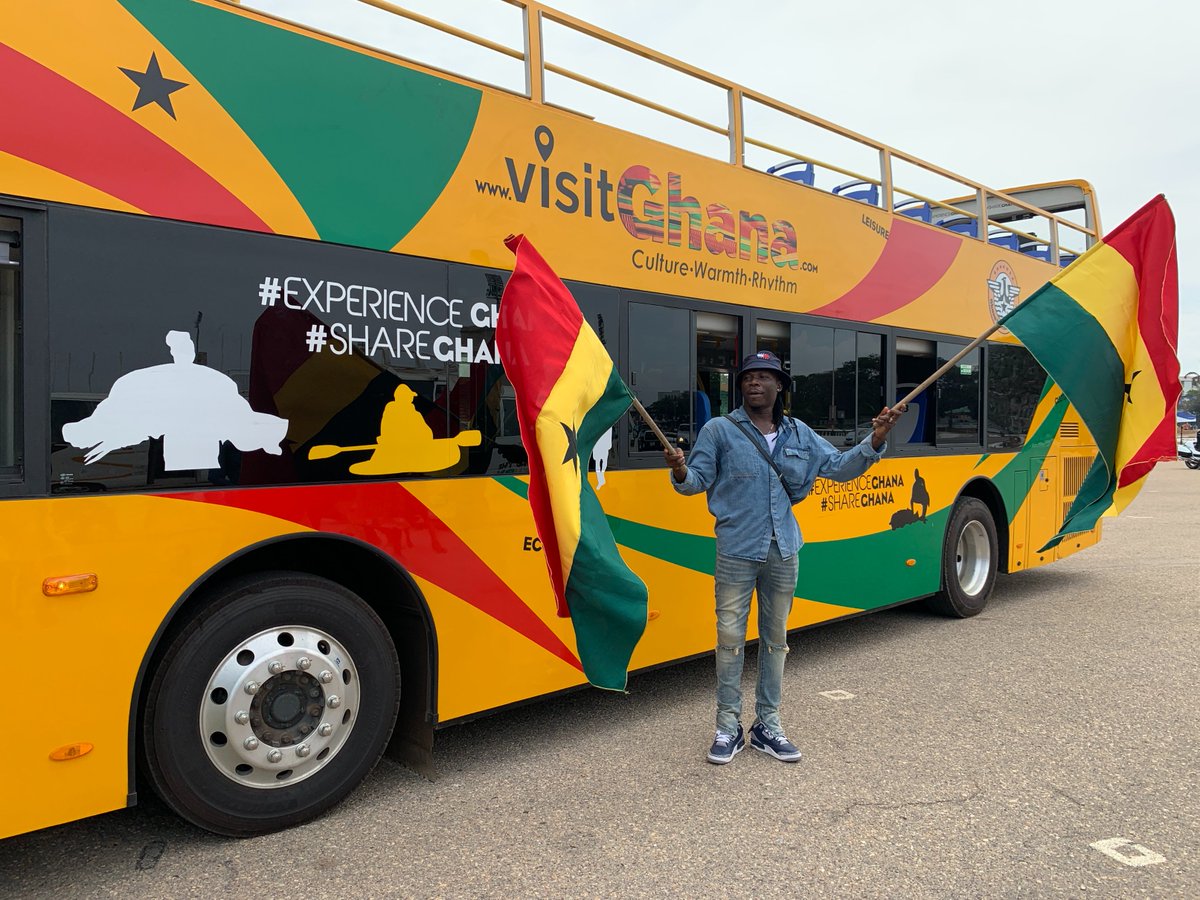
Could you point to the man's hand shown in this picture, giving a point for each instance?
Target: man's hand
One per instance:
(674, 460)
(883, 423)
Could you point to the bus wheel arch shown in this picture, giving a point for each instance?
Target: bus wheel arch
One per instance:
(974, 550)
(386, 590)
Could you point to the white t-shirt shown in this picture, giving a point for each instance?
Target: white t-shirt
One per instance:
(771, 440)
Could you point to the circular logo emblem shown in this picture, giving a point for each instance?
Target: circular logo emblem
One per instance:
(1002, 291)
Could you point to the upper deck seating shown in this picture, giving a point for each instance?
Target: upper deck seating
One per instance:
(863, 191)
(794, 170)
(959, 225)
(915, 209)
(1002, 238)
(1041, 251)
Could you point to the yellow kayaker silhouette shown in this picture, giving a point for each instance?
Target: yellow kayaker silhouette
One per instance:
(405, 443)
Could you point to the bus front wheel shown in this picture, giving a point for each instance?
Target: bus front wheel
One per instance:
(270, 704)
(970, 558)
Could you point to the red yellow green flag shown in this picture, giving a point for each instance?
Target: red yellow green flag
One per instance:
(1105, 330)
(568, 395)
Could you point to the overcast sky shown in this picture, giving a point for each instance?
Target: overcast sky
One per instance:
(1004, 93)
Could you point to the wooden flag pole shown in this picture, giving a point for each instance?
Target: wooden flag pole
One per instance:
(949, 364)
(637, 404)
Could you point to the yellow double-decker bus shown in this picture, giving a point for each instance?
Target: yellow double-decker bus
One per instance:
(262, 491)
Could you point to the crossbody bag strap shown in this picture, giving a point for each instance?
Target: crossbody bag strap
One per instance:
(757, 446)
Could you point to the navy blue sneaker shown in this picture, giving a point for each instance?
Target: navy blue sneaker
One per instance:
(773, 743)
(725, 747)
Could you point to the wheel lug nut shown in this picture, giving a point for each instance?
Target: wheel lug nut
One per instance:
(325, 730)
(241, 717)
(275, 667)
(326, 677)
(334, 701)
(274, 756)
(304, 664)
(251, 688)
(250, 743)
(303, 750)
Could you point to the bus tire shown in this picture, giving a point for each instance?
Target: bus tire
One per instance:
(270, 704)
(970, 559)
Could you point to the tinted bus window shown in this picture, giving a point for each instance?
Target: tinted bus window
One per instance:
(8, 362)
(660, 374)
(958, 396)
(1014, 386)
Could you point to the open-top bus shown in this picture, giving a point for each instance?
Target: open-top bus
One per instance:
(261, 486)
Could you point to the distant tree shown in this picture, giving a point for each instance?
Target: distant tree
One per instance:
(1190, 401)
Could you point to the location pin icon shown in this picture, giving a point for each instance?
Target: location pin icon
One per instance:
(544, 138)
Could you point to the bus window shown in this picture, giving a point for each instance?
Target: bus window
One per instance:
(9, 259)
(776, 337)
(870, 381)
(958, 397)
(660, 374)
(837, 380)
(718, 350)
(915, 361)
(1014, 386)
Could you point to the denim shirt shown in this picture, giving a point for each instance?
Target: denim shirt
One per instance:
(745, 495)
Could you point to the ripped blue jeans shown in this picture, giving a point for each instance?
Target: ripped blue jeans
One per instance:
(736, 580)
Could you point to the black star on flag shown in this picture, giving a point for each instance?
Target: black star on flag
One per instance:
(572, 455)
(153, 87)
(1129, 386)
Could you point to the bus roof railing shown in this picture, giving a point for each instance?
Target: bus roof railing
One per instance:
(533, 57)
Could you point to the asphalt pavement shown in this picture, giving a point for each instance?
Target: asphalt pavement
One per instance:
(1046, 748)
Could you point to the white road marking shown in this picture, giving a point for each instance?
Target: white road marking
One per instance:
(1139, 855)
(837, 695)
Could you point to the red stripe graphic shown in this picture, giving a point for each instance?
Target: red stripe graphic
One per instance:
(388, 516)
(55, 123)
(914, 258)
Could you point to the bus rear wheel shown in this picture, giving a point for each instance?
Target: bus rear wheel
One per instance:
(970, 558)
(270, 704)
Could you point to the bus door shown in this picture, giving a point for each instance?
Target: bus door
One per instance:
(22, 326)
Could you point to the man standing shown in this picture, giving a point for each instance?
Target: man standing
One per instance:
(754, 464)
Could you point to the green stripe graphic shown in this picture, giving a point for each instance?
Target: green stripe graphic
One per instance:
(365, 145)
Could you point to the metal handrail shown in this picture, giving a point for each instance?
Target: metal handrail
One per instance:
(535, 13)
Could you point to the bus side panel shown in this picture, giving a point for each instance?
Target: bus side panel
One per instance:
(81, 652)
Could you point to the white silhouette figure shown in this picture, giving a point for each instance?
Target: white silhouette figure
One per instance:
(192, 407)
(600, 456)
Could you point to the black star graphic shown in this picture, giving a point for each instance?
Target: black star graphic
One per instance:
(1129, 386)
(153, 87)
(572, 455)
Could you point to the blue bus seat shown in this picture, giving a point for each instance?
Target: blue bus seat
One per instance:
(794, 170)
(915, 209)
(1006, 239)
(1037, 251)
(863, 191)
(960, 225)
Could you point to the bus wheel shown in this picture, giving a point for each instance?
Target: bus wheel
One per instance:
(270, 704)
(970, 558)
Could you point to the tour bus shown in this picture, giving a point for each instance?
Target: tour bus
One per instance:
(262, 493)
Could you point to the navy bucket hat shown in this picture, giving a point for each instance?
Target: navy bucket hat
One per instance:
(763, 359)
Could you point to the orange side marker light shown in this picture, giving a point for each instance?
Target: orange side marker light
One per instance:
(70, 584)
(68, 752)
(910, 562)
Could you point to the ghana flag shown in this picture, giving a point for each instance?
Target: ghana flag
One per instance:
(1105, 330)
(568, 395)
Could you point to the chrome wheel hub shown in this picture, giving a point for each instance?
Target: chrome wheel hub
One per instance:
(279, 706)
(973, 558)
